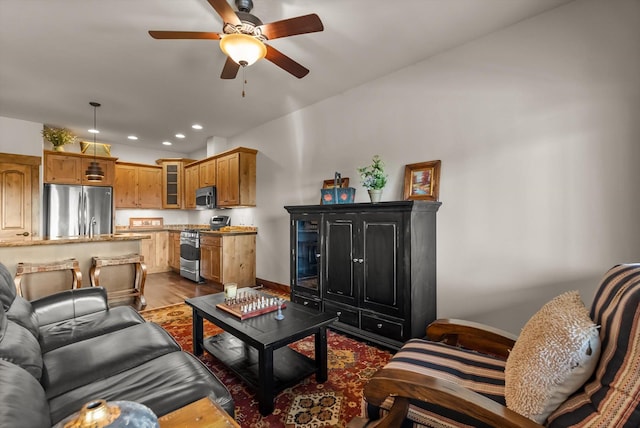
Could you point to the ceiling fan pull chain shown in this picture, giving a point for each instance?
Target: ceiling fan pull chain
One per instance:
(244, 81)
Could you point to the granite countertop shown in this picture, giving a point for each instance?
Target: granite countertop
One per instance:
(39, 240)
(203, 228)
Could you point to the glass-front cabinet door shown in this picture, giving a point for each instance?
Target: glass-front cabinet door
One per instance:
(305, 257)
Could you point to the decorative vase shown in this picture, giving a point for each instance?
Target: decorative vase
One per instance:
(58, 148)
(112, 414)
(375, 195)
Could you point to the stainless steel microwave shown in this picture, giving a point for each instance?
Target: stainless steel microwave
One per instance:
(206, 198)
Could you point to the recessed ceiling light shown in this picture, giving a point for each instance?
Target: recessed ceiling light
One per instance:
(93, 131)
(132, 137)
(166, 143)
(179, 135)
(196, 126)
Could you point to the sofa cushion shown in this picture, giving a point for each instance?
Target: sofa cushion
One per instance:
(481, 373)
(555, 354)
(18, 346)
(23, 403)
(7, 287)
(70, 304)
(67, 331)
(611, 398)
(22, 313)
(89, 360)
(163, 384)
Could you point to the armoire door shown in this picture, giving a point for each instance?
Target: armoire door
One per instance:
(340, 261)
(381, 248)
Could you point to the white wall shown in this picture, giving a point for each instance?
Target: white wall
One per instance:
(537, 129)
(20, 137)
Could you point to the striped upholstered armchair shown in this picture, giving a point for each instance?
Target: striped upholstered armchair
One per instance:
(464, 376)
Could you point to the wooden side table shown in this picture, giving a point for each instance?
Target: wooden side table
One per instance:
(203, 413)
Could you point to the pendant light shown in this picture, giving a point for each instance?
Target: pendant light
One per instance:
(94, 173)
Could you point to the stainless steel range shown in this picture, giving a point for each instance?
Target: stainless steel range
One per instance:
(190, 255)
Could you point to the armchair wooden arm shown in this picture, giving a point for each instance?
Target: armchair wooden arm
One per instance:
(472, 335)
(404, 385)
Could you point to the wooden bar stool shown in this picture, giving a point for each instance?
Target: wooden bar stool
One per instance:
(140, 276)
(37, 291)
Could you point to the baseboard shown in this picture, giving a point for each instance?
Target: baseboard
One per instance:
(283, 288)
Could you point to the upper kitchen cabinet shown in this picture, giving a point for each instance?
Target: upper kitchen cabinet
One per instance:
(207, 170)
(236, 178)
(191, 183)
(198, 174)
(173, 182)
(138, 186)
(69, 168)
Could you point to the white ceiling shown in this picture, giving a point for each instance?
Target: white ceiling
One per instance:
(57, 56)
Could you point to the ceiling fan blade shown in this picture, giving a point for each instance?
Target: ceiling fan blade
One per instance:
(184, 35)
(225, 11)
(285, 63)
(292, 26)
(230, 70)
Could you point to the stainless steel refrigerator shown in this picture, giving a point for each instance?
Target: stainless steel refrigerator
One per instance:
(71, 210)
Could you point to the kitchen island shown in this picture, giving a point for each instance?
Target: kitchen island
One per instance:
(42, 249)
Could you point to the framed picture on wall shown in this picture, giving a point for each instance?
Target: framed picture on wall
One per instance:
(422, 181)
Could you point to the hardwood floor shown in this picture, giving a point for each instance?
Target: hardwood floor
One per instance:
(168, 288)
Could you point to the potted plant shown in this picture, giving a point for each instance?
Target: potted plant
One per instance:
(58, 137)
(373, 178)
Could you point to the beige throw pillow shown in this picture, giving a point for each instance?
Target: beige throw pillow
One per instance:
(555, 354)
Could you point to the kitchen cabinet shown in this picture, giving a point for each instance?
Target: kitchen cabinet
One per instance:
(207, 170)
(375, 266)
(174, 250)
(211, 258)
(173, 181)
(191, 183)
(155, 251)
(69, 168)
(138, 186)
(228, 258)
(236, 178)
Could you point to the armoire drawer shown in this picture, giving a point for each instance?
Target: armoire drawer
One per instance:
(383, 327)
(345, 315)
(305, 301)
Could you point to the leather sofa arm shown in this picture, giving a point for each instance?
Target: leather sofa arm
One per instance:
(472, 335)
(404, 385)
(70, 304)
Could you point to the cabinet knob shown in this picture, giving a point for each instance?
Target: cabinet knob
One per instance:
(306, 302)
(355, 260)
(379, 325)
(339, 313)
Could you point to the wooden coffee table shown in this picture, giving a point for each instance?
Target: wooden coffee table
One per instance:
(255, 348)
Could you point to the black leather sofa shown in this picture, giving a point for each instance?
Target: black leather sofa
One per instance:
(62, 351)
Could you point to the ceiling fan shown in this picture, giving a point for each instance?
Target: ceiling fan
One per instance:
(243, 37)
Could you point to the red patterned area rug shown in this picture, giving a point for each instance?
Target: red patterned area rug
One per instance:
(308, 404)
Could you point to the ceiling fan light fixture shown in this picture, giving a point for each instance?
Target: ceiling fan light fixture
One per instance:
(243, 49)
